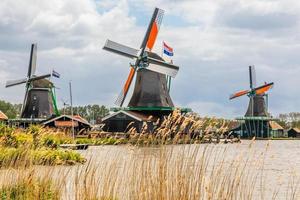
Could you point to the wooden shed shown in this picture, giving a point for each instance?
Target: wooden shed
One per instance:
(122, 121)
(276, 130)
(66, 122)
(294, 132)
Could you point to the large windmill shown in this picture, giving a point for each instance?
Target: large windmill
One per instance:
(150, 91)
(257, 117)
(150, 95)
(39, 101)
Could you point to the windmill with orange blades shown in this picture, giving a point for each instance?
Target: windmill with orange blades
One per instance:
(150, 94)
(257, 105)
(256, 120)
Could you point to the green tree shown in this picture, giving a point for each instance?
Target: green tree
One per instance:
(89, 112)
(11, 110)
(288, 120)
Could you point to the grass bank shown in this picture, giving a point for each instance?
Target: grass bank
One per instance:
(34, 146)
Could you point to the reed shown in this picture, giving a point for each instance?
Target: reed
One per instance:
(24, 185)
(180, 129)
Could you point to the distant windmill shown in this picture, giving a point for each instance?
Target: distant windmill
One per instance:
(151, 90)
(39, 101)
(256, 121)
(257, 104)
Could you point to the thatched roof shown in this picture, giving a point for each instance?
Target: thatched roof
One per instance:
(135, 115)
(76, 118)
(3, 116)
(275, 126)
(295, 129)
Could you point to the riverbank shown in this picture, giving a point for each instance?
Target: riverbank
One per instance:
(34, 146)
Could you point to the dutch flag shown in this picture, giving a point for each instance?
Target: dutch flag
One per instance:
(167, 49)
(55, 74)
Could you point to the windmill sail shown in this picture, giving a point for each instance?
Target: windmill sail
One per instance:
(264, 88)
(32, 61)
(252, 77)
(239, 94)
(153, 28)
(120, 49)
(15, 82)
(123, 93)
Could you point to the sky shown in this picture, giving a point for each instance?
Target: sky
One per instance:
(214, 42)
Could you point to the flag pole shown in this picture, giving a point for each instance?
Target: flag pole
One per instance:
(162, 49)
(167, 77)
(71, 101)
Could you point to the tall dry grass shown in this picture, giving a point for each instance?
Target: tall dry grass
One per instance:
(179, 128)
(26, 186)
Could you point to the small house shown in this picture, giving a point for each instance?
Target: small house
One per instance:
(122, 121)
(276, 130)
(294, 132)
(66, 122)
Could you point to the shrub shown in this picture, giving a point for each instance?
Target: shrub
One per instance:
(56, 157)
(20, 157)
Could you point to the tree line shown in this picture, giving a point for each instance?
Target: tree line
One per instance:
(11, 110)
(92, 113)
(289, 120)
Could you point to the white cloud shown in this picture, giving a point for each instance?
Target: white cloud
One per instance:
(214, 43)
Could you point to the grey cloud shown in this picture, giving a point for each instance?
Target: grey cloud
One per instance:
(213, 59)
(254, 21)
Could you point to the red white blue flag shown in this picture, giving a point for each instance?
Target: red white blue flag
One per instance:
(167, 49)
(55, 74)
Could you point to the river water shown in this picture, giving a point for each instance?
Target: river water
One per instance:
(123, 170)
(276, 162)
